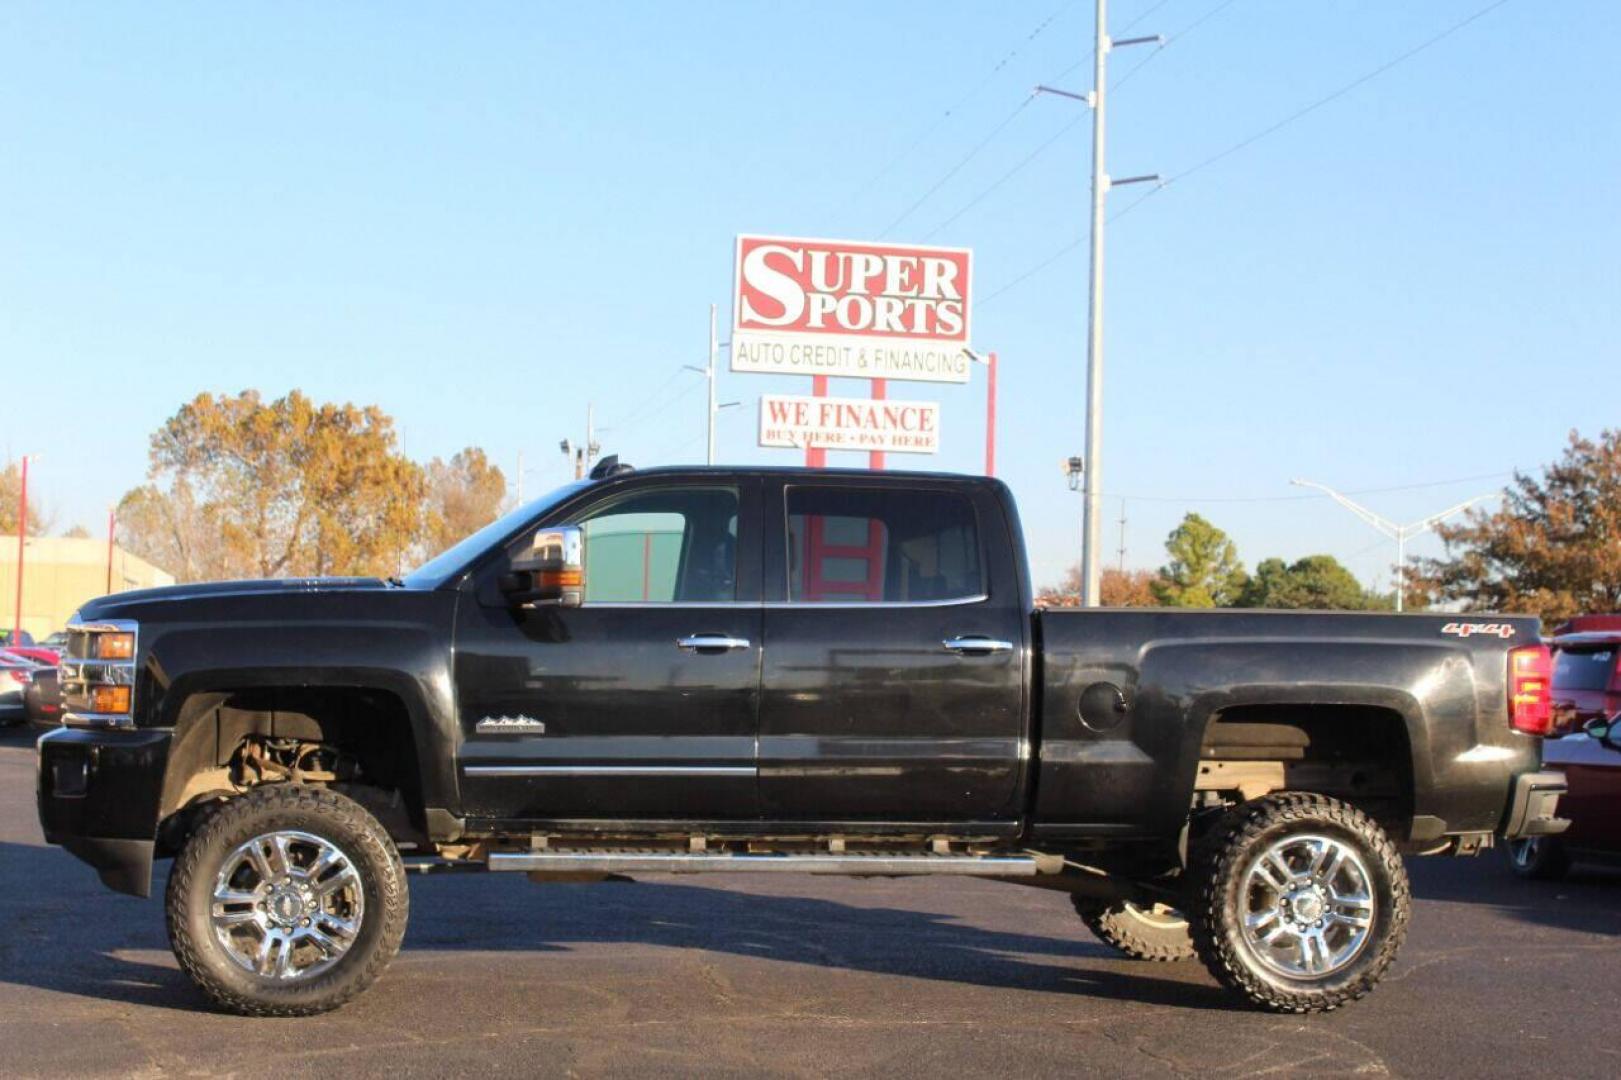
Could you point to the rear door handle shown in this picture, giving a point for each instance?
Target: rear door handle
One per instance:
(976, 645)
(708, 642)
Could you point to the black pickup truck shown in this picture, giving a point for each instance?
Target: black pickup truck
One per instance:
(758, 670)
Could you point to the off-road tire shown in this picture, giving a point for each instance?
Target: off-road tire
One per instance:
(1218, 870)
(1538, 858)
(266, 809)
(1134, 931)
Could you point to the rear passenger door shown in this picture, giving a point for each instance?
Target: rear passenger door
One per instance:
(895, 654)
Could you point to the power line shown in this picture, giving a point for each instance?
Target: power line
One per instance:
(1061, 132)
(1303, 498)
(996, 69)
(1251, 140)
(955, 169)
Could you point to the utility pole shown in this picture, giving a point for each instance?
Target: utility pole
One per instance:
(1092, 480)
(1399, 533)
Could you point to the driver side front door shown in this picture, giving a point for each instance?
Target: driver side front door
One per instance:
(642, 703)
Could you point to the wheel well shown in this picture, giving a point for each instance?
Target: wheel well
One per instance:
(1358, 754)
(358, 740)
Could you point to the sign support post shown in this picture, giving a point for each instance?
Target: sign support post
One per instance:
(875, 458)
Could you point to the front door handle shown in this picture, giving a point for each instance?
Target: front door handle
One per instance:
(975, 645)
(711, 642)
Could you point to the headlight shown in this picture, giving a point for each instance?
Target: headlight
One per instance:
(115, 646)
(97, 674)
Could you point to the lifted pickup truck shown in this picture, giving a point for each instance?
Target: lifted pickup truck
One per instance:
(757, 670)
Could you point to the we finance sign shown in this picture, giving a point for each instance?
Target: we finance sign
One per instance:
(827, 423)
(851, 310)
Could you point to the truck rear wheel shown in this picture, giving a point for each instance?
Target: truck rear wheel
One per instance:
(1155, 932)
(1300, 902)
(287, 901)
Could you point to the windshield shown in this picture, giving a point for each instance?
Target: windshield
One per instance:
(445, 565)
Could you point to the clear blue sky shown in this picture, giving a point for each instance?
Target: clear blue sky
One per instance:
(433, 207)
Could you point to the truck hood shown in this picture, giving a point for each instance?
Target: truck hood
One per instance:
(107, 607)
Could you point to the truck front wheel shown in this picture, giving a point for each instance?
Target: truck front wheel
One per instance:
(287, 901)
(1300, 902)
(1154, 932)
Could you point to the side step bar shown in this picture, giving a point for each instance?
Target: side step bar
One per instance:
(699, 862)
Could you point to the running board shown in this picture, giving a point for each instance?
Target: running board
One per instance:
(701, 862)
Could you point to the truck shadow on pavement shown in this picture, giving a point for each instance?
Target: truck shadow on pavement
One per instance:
(69, 935)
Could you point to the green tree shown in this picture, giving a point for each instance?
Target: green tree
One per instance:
(1316, 581)
(1203, 571)
(1551, 548)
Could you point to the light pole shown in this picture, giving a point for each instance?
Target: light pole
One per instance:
(1092, 505)
(711, 409)
(1399, 533)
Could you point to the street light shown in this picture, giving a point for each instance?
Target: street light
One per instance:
(1399, 533)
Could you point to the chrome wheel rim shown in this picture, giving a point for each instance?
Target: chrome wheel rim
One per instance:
(287, 905)
(1307, 906)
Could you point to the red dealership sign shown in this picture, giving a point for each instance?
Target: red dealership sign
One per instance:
(843, 308)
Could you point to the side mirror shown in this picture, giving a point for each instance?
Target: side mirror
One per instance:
(1607, 730)
(552, 574)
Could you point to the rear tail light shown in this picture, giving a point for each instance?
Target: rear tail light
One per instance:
(1530, 693)
(20, 675)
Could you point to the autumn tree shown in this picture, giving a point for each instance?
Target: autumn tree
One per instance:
(1116, 588)
(241, 487)
(1315, 581)
(464, 494)
(1551, 548)
(1203, 570)
(40, 518)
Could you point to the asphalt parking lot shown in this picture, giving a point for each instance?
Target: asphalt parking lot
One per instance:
(796, 976)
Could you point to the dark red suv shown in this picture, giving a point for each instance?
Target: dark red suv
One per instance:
(1586, 691)
(1587, 671)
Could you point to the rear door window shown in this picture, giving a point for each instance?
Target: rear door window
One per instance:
(881, 545)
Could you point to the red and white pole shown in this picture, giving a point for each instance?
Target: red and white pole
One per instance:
(990, 418)
(22, 540)
(112, 525)
(816, 456)
(875, 458)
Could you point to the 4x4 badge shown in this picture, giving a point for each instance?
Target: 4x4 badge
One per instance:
(510, 725)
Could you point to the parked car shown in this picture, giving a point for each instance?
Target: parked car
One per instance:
(758, 670)
(1591, 762)
(26, 646)
(56, 641)
(43, 698)
(1586, 674)
(16, 673)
